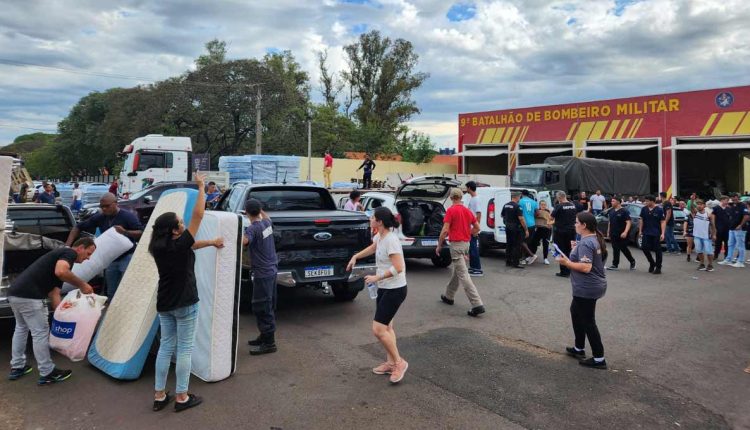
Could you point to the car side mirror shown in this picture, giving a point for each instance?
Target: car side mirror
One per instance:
(148, 199)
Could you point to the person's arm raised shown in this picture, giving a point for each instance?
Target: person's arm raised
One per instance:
(200, 205)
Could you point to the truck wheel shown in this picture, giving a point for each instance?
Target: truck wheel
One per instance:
(442, 261)
(347, 291)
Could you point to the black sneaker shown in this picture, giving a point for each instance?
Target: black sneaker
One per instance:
(446, 300)
(651, 268)
(575, 353)
(657, 271)
(562, 275)
(612, 267)
(701, 267)
(19, 372)
(710, 268)
(518, 267)
(192, 401)
(56, 375)
(476, 311)
(590, 362)
(265, 348)
(632, 266)
(688, 258)
(255, 342)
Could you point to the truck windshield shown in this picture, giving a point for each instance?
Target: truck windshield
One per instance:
(527, 176)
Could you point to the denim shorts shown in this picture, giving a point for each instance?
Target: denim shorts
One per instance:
(703, 246)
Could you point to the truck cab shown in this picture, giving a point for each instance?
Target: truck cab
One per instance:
(540, 177)
(153, 159)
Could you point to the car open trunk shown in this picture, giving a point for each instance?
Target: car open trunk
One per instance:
(421, 217)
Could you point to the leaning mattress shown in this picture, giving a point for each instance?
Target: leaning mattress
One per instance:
(129, 326)
(217, 273)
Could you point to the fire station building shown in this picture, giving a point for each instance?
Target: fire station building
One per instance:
(696, 141)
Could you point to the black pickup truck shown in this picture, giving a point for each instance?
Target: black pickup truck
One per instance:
(314, 239)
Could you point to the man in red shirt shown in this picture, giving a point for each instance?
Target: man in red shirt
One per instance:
(327, 167)
(458, 226)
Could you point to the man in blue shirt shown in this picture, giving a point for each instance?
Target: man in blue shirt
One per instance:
(125, 223)
(48, 196)
(212, 195)
(651, 231)
(529, 207)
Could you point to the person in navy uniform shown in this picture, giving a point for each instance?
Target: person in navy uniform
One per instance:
(515, 230)
(564, 235)
(651, 231)
(618, 232)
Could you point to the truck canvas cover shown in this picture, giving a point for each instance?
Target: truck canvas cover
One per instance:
(609, 176)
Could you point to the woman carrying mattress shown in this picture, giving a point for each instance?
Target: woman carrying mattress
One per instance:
(172, 247)
(391, 284)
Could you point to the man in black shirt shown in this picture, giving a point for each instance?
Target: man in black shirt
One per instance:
(618, 232)
(564, 215)
(515, 230)
(721, 215)
(125, 223)
(651, 231)
(43, 280)
(369, 166)
(667, 207)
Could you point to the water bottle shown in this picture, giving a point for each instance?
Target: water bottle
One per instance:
(373, 290)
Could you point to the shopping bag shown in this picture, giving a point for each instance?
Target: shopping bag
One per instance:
(74, 323)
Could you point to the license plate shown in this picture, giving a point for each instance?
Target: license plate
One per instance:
(318, 272)
(429, 242)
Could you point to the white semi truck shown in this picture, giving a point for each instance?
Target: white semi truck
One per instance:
(153, 159)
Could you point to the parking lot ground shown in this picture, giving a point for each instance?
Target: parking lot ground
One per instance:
(676, 345)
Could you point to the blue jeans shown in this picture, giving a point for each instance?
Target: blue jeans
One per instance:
(736, 241)
(474, 262)
(113, 274)
(671, 242)
(177, 337)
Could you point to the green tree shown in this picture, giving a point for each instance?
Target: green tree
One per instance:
(417, 148)
(216, 54)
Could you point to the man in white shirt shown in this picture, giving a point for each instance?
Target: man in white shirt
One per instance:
(475, 265)
(77, 198)
(598, 203)
(704, 231)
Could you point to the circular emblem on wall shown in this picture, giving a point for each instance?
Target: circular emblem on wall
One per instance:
(724, 100)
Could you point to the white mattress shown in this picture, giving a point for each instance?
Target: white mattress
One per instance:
(6, 166)
(129, 326)
(109, 246)
(217, 273)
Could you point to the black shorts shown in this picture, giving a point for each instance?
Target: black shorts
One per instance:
(388, 302)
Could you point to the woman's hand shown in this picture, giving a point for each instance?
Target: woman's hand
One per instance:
(218, 242)
(562, 259)
(371, 279)
(351, 264)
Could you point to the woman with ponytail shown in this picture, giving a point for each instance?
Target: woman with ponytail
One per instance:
(391, 281)
(172, 247)
(586, 263)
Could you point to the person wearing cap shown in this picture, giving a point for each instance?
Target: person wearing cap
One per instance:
(459, 225)
(475, 264)
(264, 266)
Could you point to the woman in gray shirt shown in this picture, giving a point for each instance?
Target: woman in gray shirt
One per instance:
(586, 264)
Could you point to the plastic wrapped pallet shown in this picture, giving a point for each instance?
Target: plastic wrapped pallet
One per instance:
(261, 169)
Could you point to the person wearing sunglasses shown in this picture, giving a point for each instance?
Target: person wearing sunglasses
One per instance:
(125, 223)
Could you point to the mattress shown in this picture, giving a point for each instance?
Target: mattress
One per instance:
(129, 326)
(6, 165)
(109, 246)
(217, 272)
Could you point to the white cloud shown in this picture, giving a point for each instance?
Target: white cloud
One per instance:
(512, 53)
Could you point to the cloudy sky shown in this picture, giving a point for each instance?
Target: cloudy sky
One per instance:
(481, 55)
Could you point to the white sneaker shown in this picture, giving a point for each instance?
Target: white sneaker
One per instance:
(739, 264)
(546, 261)
(724, 262)
(532, 259)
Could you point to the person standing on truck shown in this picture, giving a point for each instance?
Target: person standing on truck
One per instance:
(720, 214)
(618, 231)
(564, 216)
(125, 223)
(668, 208)
(327, 168)
(172, 246)
(651, 231)
(459, 225)
(391, 282)
(516, 230)
(529, 207)
(475, 263)
(264, 266)
(589, 283)
(43, 280)
(368, 165)
(598, 203)
(77, 199)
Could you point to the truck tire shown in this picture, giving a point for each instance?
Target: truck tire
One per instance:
(442, 261)
(347, 291)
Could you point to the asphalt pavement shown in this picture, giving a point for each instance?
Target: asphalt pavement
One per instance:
(676, 345)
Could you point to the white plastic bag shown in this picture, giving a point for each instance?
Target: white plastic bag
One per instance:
(74, 324)
(109, 246)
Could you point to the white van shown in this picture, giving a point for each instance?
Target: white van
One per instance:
(491, 202)
(155, 158)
